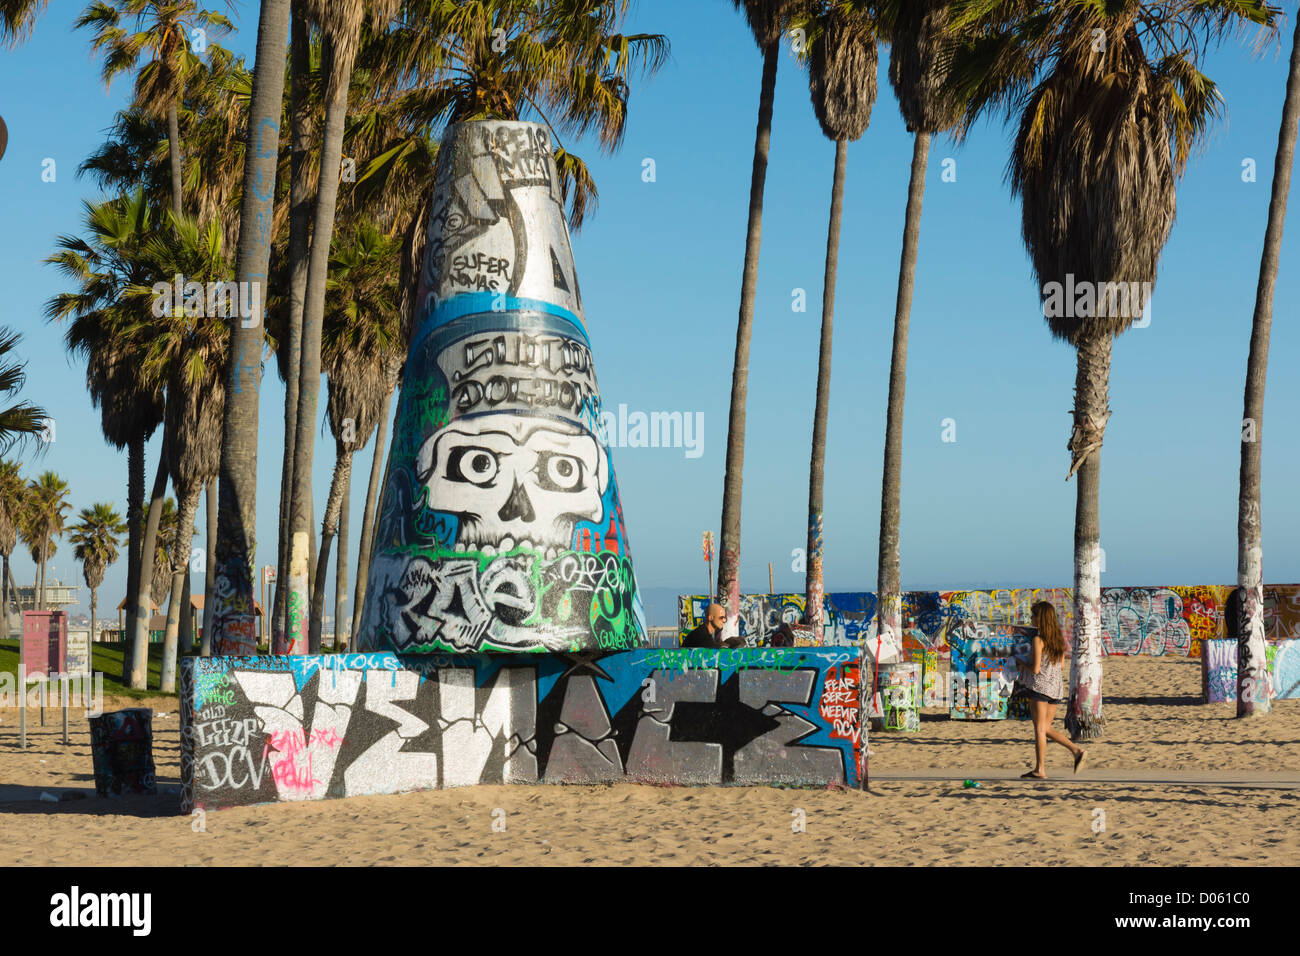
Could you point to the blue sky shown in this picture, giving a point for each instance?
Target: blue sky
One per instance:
(660, 266)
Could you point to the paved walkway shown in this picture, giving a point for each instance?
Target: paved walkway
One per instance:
(1102, 777)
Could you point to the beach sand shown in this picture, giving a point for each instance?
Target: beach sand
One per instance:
(1156, 729)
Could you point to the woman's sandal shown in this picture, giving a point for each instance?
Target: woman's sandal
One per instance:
(1033, 776)
(1078, 759)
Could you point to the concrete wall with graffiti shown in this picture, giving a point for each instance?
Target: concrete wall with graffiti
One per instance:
(258, 729)
(983, 671)
(500, 526)
(1135, 620)
(1219, 674)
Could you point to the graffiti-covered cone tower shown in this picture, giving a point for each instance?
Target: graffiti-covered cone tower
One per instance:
(500, 527)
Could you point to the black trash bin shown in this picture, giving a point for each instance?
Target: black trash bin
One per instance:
(121, 743)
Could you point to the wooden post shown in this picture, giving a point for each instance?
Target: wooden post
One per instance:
(63, 680)
(22, 687)
(771, 588)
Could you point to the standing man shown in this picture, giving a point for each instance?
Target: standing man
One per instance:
(709, 634)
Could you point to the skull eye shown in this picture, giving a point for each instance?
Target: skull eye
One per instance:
(556, 472)
(472, 464)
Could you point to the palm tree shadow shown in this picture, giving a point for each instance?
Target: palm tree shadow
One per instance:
(1159, 701)
(162, 804)
(1093, 793)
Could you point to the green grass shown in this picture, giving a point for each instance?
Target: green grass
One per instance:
(106, 658)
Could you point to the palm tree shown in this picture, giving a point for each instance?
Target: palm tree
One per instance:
(1252, 663)
(361, 333)
(232, 624)
(13, 499)
(21, 420)
(162, 31)
(104, 267)
(917, 31)
(842, 81)
(215, 104)
(135, 155)
(304, 65)
(159, 584)
(564, 60)
(767, 19)
(188, 351)
(42, 522)
(395, 184)
(17, 17)
(392, 375)
(95, 538)
(160, 581)
(340, 21)
(1110, 103)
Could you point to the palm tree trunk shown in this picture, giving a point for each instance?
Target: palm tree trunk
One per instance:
(813, 583)
(300, 524)
(174, 150)
(1252, 662)
(134, 509)
(234, 621)
(143, 597)
(1084, 720)
(732, 483)
(94, 612)
(44, 551)
(185, 641)
(189, 505)
(4, 594)
(889, 613)
(341, 570)
(300, 209)
(368, 519)
(329, 527)
(209, 562)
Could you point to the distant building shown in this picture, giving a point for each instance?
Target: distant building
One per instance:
(57, 596)
(23, 598)
(158, 620)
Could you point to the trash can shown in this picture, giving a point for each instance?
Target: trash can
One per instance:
(121, 743)
(898, 687)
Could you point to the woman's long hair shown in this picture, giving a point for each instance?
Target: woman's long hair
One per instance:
(1049, 629)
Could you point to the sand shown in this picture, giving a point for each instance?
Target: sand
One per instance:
(1230, 796)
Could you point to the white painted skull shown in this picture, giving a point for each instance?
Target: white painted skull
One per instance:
(514, 481)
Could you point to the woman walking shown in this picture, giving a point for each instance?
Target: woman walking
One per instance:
(1042, 684)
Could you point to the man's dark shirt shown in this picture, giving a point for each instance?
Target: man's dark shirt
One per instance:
(700, 637)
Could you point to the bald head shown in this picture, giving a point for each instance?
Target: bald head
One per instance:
(716, 617)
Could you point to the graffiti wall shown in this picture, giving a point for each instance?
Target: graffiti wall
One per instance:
(1139, 620)
(984, 671)
(1286, 670)
(258, 729)
(1219, 672)
(500, 526)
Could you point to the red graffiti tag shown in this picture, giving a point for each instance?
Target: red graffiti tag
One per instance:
(839, 702)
